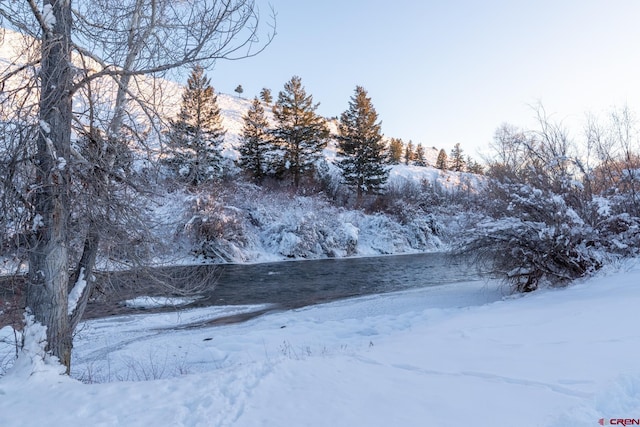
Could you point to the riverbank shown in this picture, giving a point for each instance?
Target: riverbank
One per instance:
(461, 354)
(285, 284)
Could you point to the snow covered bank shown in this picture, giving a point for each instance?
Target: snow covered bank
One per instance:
(247, 224)
(450, 355)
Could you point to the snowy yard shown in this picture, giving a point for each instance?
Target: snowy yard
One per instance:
(451, 355)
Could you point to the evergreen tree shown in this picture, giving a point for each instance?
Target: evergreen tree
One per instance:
(360, 146)
(239, 90)
(457, 159)
(196, 134)
(396, 148)
(441, 161)
(408, 153)
(300, 132)
(419, 156)
(255, 140)
(474, 167)
(265, 95)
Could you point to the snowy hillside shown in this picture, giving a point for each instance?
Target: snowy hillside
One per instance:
(238, 222)
(266, 226)
(443, 356)
(233, 109)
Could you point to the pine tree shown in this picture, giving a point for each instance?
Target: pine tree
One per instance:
(457, 159)
(300, 132)
(239, 90)
(256, 142)
(474, 167)
(265, 95)
(419, 156)
(441, 161)
(408, 153)
(360, 146)
(197, 132)
(396, 147)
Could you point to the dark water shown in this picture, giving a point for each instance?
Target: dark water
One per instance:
(286, 285)
(283, 284)
(300, 283)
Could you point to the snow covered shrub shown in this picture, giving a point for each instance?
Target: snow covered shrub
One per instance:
(618, 230)
(303, 227)
(533, 237)
(216, 229)
(330, 183)
(246, 222)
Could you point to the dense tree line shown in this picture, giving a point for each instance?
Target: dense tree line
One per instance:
(291, 145)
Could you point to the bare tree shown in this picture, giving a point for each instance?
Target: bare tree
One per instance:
(616, 143)
(544, 157)
(508, 149)
(70, 48)
(551, 151)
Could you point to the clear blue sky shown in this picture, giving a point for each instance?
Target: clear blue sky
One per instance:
(449, 71)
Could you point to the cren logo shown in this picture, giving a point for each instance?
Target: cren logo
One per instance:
(619, 422)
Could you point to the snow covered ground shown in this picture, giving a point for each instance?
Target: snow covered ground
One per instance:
(460, 354)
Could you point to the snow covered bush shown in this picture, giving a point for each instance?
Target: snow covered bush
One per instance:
(533, 237)
(303, 227)
(550, 216)
(245, 222)
(619, 230)
(216, 229)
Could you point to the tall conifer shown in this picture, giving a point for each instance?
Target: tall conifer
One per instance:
(419, 159)
(441, 161)
(196, 134)
(474, 167)
(300, 132)
(265, 95)
(457, 159)
(360, 146)
(408, 153)
(396, 148)
(256, 142)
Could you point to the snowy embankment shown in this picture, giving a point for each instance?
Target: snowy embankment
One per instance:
(240, 222)
(244, 223)
(451, 355)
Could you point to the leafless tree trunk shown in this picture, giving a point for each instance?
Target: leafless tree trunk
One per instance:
(117, 40)
(47, 290)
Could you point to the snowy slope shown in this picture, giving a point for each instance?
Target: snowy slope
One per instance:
(167, 96)
(443, 356)
(233, 108)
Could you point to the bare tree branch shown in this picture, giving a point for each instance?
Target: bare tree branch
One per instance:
(74, 176)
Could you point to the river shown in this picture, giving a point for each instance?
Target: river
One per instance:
(293, 284)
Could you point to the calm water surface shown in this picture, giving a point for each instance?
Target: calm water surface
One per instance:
(299, 283)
